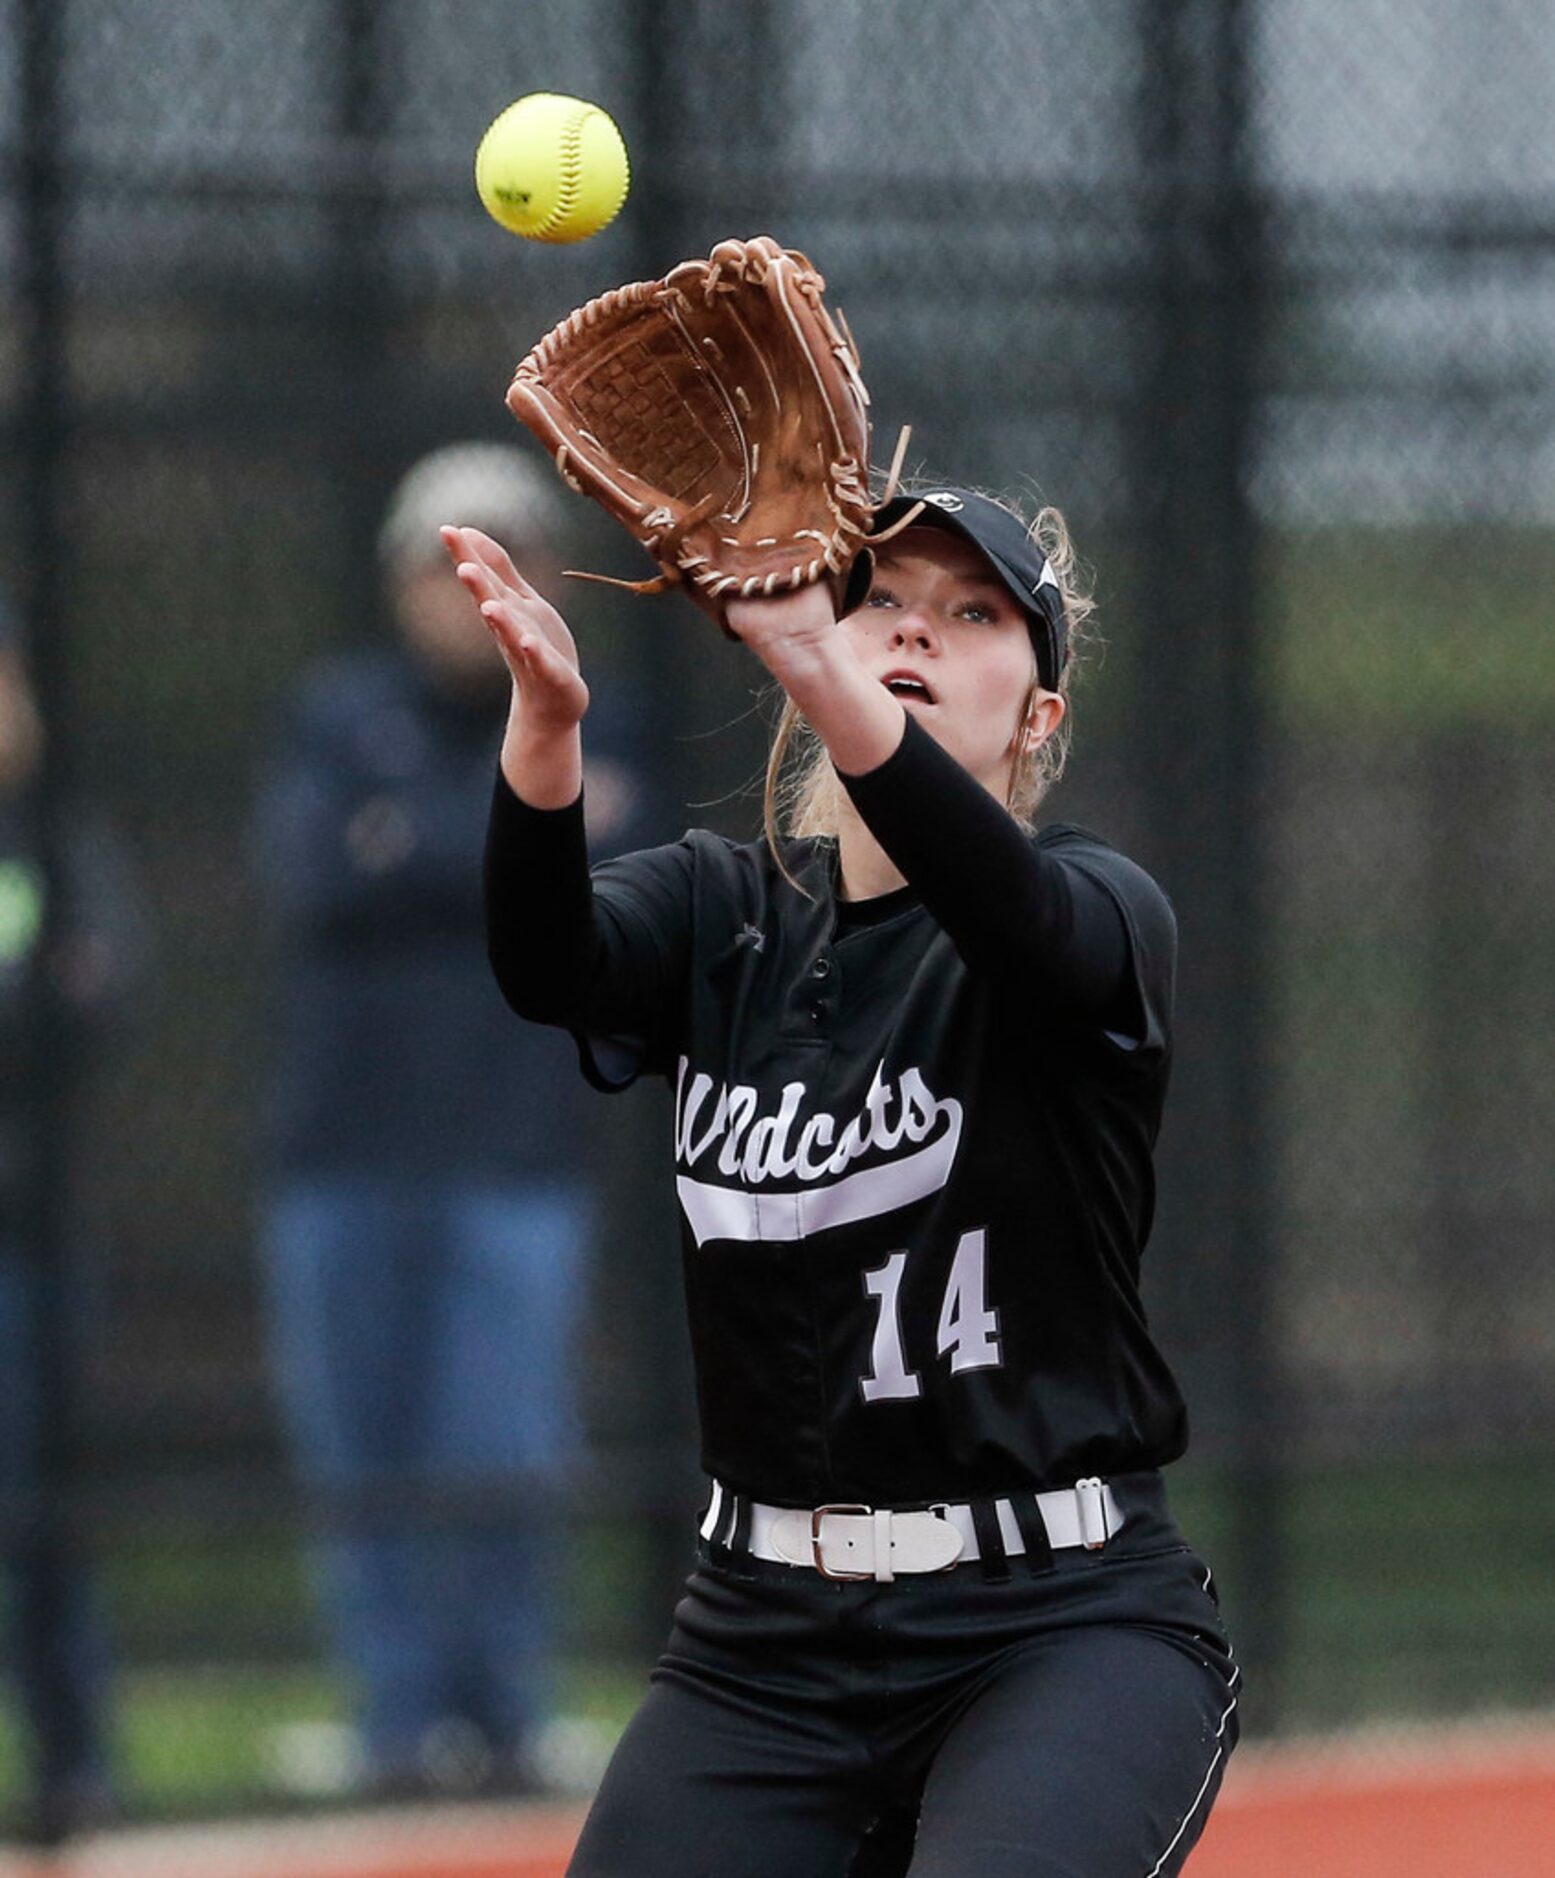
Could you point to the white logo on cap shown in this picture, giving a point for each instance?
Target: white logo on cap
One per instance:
(943, 499)
(1047, 578)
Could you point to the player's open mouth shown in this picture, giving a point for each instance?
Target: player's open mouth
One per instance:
(909, 687)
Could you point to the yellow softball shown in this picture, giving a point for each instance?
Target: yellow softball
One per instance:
(552, 168)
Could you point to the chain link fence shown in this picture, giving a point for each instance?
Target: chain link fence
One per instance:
(1260, 294)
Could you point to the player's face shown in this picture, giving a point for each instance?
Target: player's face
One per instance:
(946, 636)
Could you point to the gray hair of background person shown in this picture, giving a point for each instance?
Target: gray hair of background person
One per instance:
(491, 486)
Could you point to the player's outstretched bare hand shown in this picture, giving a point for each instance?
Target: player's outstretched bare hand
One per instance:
(531, 635)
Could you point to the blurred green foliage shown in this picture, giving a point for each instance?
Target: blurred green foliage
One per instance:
(1412, 631)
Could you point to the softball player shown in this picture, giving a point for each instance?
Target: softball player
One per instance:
(918, 1057)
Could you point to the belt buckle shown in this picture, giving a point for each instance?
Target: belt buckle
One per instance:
(816, 1558)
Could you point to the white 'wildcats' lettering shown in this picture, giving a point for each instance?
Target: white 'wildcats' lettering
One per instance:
(755, 1150)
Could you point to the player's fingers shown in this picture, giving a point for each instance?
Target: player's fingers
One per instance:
(506, 626)
(475, 553)
(547, 682)
(482, 584)
(520, 640)
(478, 581)
(515, 629)
(492, 555)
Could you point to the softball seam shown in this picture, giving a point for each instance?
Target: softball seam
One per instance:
(572, 175)
(571, 158)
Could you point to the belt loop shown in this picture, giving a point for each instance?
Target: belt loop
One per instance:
(1039, 1548)
(1093, 1514)
(727, 1525)
(990, 1542)
(884, 1573)
(740, 1532)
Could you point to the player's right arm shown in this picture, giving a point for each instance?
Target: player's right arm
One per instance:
(542, 753)
(603, 964)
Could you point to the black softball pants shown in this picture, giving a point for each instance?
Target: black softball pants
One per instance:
(1070, 1724)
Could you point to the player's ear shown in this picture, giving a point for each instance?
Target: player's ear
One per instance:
(1043, 714)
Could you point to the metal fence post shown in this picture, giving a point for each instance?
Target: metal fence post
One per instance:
(358, 315)
(645, 1264)
(1204, 729)
(47, 1521)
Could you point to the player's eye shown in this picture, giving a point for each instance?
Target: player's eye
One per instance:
(881, 596)
(978, 611)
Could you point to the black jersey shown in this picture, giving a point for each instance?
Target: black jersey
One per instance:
(913, 1165)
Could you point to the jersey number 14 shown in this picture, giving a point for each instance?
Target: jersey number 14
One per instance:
(968, 1330)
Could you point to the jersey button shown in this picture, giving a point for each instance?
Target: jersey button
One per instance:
(821, 968)
(817, 1013)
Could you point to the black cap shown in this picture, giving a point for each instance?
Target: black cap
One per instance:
(1010, 551)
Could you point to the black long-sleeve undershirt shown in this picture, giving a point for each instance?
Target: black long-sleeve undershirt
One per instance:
(1011, 905)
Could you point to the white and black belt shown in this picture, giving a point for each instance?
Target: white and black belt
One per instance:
(851, 1541)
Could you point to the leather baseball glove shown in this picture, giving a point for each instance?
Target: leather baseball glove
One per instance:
(719, 415)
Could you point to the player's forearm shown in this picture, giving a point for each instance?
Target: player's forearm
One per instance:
(560, 955)
(856, 718)
(543, 765)
(1011, 907)
(797, 638)
(539, 915)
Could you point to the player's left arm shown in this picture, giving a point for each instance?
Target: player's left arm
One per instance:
(1014, 909)
(1059, 921)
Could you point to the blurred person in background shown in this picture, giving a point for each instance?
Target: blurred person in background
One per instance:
(428, 1214)
(88, 962)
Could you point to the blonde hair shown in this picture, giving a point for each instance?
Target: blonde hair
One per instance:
(803, 797)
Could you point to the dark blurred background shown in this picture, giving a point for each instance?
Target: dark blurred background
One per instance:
(1263, 296)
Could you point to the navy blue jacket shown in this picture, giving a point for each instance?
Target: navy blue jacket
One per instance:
(393, 1048)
